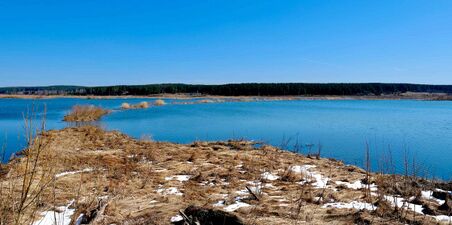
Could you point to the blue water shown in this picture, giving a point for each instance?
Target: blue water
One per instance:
(423, 129)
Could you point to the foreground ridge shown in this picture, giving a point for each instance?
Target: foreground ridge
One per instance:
(100, 177)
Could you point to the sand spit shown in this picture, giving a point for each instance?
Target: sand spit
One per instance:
(200, 97)
(99, 177)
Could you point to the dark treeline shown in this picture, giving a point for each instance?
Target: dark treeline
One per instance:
(244, 89)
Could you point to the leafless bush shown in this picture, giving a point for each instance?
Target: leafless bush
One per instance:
(28, 178)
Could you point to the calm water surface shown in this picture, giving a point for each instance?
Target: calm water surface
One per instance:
(342, 127)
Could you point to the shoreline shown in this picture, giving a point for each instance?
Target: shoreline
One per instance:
(251, 183)
(403, 96)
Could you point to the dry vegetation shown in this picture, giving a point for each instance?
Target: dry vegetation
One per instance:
(111, 178)
(85, 113)
(141, 105)
(159, 102)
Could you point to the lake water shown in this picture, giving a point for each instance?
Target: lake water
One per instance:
(423, 129)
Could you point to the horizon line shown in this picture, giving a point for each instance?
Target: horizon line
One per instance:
(219, 84)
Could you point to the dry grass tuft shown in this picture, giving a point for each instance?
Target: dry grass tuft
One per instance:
(85, 113)
(159, 102)
(141, 105)
(125, 105)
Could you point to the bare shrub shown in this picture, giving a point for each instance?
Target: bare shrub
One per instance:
(24, 186)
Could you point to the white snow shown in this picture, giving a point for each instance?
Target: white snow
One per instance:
(219, 203)
(357, 185)
(256, 189)
(242, 192)
(180, 178)
(402, 203)
(351, 205)
(73, 172)
(428, 195)
(62, 216)
(269, 176)
(301, 169)
(270, 186)
(169, 191)
(318, 180)
(208, 183)
(443, 218)
(176, 218)
(235, 206)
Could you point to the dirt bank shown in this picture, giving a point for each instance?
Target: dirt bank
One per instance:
(100, 177)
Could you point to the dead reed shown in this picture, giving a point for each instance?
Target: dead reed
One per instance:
(159, 102)
(141, 105)
(85, 113)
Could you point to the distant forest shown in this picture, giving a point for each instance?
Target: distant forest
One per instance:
(244, 89)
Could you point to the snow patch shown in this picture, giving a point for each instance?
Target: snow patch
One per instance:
(318, 180)
(219, 203)
(429, 195)
(351, 205)
(73, 172)
(180, 178)
(403, 203)
(443, 218)
(357, 185)
(242, 192)
(269, 176)
(235, 206)
(61, 216)
(169, 191)
(176, 218)
(302, 169)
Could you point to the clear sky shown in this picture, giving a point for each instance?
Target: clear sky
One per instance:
(105, 42)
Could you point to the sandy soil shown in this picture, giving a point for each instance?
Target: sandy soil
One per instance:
(411, 95)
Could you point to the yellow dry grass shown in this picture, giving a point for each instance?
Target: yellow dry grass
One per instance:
(128, 180)
(141, 105)
(159, 102)
(85, 113)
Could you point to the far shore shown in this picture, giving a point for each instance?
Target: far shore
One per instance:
(402, 96)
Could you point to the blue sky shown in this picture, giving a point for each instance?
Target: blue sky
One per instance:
(94, 42)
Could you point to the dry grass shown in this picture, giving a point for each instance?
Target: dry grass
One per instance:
(159, 102)
(125, 105)
(141, 105)
(85, 113)
(128, 179)
(25, 181)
